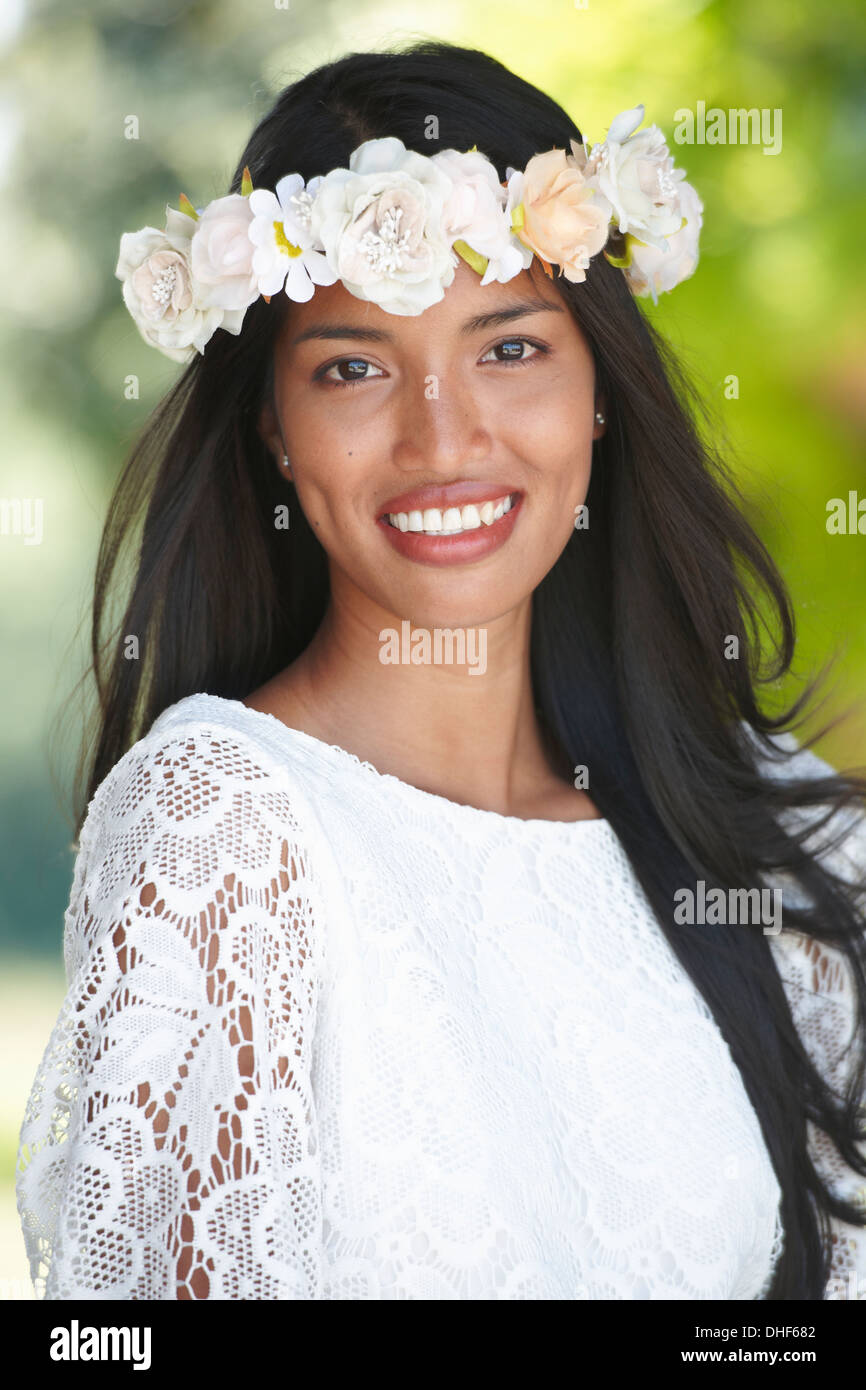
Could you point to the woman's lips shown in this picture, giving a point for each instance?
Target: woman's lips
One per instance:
(442, 496)
(433, 549)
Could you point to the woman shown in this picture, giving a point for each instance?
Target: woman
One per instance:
(408, 950)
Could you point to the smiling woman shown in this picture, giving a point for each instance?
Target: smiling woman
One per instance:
(378, 985)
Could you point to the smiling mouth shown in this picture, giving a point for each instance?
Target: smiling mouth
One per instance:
(452, 521)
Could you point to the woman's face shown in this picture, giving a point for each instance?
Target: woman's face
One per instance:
(488, 394)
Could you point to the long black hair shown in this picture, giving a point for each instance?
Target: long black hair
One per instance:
(629, 627)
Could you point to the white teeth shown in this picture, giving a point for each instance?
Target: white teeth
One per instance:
(454, 520)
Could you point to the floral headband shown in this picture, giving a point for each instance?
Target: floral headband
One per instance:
(389, 226)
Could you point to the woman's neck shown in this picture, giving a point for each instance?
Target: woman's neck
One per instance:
(400, 697)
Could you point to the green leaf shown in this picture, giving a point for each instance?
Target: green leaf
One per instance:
(186, 206)
(472, 258)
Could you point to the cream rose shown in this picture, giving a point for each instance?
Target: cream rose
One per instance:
(221, 254)
(379, 222)
(160, 293)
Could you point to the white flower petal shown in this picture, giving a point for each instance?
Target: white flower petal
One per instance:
(288, 184)
(233, 320)
(378, 156)
(299, 286)
(263, 203)
(179, 228)
(273, 280)
(135, 247)
(264, 259)
(261, 231)
(319, 268)
(624, 124)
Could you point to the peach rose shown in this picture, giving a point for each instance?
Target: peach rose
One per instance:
(565, 220)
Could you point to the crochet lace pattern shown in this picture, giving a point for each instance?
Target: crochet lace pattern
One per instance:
(330, 1036)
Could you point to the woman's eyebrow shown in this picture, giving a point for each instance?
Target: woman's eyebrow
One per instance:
(494, 319)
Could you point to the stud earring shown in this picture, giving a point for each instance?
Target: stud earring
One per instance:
(286, 464)
(599, 417)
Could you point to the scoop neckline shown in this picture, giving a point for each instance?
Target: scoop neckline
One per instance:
(338, 755)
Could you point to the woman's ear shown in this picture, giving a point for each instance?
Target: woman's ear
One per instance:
(269, 431)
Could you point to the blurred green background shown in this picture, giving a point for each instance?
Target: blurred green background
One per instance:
(777, 302)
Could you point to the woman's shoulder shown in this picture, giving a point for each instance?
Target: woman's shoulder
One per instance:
(199, 751)
(198, 815)
(206, 786)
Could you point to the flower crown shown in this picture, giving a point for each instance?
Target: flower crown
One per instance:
(389, 226)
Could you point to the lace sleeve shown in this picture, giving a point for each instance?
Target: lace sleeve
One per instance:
(818, 981)
(169, 1146)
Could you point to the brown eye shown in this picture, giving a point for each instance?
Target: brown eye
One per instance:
(512, 350)
(351, 370)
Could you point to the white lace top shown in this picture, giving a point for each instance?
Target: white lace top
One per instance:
(330, 1036)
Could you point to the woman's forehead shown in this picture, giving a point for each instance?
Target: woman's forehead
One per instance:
(464, 302)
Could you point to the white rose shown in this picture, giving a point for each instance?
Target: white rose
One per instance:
(637, 176)
(652, 271)
(221, 254)
(159, 290)
(379, 222)
(475, 214)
